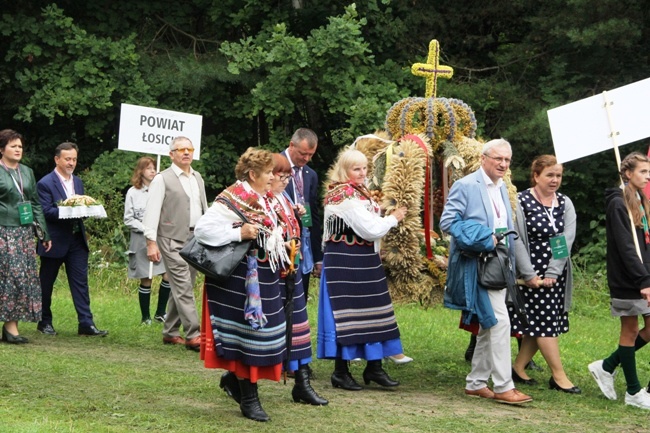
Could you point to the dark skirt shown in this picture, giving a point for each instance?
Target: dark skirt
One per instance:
(234, 338)
(357, 294)
(20, 288)
(300, 339)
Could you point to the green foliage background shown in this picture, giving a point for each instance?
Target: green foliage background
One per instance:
(257, 70)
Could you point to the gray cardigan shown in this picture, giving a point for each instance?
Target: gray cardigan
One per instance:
(556, 266)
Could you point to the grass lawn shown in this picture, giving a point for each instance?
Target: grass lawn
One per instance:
(130, 382)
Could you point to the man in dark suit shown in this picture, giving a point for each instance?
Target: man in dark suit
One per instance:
(69, 244)
(303, 189)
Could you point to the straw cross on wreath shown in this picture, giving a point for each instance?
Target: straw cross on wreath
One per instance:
(432, 69)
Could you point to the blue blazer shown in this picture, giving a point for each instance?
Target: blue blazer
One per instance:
(310, 185)
(50, 191)
(469, 200)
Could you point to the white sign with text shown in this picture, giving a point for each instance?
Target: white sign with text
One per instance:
(151, 130)
(582, 128)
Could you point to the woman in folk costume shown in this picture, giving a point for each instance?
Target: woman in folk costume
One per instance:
(299, 351)
(243, 317)
(355, 312)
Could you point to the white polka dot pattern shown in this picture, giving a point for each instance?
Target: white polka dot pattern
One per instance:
(545, 305)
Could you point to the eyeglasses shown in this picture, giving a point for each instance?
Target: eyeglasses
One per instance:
(284, 178)
(183, 149)
(499, 160)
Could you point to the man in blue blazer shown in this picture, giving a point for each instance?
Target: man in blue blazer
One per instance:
(482, 197)
(69, 244)
(303, 189)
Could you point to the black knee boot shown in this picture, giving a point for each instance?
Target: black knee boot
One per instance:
(375, 373)
(302, 390)
(341, 378)
(250, 403)
(230, 384)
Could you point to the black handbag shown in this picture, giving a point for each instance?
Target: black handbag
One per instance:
(217, 263)
(495, 272)
(492, 268)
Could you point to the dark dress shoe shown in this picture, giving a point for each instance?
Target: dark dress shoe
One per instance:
(46, 329)
(346, 381)
(91, 331)
(230, 384)
(552, 384)
(374, 373)
(10, 338)
(532, 366)
(518, 379)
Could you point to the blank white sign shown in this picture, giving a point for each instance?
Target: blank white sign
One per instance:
(582, 128)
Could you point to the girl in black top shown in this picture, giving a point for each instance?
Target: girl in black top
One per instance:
(628, 276)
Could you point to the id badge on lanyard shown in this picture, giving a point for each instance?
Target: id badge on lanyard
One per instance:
(559, 247)
(25, 212)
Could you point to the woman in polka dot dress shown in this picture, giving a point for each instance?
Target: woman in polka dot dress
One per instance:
(546, 222)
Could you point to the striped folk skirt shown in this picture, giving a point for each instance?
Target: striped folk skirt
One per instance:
(355, 314)
(229, 342)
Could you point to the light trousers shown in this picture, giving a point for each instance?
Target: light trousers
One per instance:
(492, 355)
(181, 308)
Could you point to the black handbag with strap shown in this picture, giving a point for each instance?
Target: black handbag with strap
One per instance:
(495, 272)
(217, 263)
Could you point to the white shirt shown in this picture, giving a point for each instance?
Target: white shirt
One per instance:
(295, 192)
(68, 184)
(496, 200)
(157, 196)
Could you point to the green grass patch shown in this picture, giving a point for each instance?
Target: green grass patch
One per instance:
(130, 382)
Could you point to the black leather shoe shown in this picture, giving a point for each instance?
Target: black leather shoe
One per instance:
(250, 405)
(230, 384)
(518, 379)
(552, 384)
(374, 373)
(46, 329)
(10, 338)
(345, 381)
(532, 366)
(91, 331)
(303, 392)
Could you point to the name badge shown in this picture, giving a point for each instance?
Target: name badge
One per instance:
(558, 247)
(25, 213)
(306, 218)
(502, 230)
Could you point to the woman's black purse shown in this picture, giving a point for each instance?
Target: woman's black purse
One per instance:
(217, 263)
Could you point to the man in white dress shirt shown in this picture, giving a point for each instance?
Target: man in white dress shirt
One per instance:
(482, 197)
(176, 202)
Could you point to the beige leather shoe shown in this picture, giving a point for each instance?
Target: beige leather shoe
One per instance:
(512, 396)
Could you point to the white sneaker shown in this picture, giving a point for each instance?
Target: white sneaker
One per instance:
(641, 399)
(604, 379)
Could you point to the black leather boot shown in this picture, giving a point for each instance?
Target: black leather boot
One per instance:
(230, 384)
(375, 373)
(250, 403)
(302, 390)
(469, 352)
(341, 378)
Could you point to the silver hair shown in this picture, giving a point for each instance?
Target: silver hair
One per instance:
(177, 139)
(497, 142)
(305, 134)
